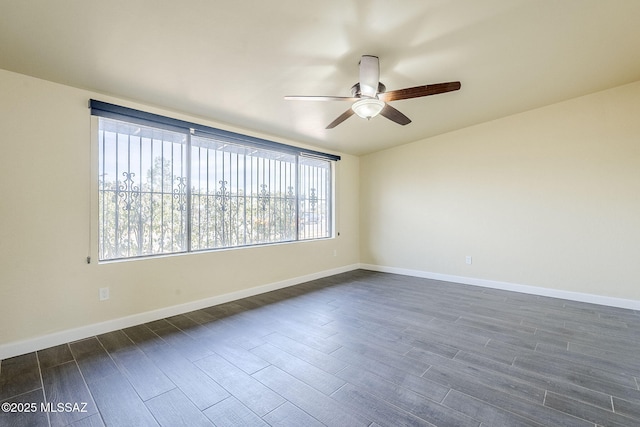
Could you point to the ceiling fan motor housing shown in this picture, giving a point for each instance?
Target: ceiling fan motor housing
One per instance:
(357, 93)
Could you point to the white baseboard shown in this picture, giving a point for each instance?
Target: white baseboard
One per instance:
(526, 289)
(17, 348)
(45, 341)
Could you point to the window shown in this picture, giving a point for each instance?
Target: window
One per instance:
(167, 189)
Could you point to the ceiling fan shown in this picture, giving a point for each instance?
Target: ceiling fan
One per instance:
(370, 98)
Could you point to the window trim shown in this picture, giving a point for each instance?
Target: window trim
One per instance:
(111, 111)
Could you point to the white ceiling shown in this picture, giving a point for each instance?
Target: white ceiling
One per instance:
(233, 61)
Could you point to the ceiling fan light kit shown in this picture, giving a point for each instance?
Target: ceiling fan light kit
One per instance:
(370, 97)
(368, 107)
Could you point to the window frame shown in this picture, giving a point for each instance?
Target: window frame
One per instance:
(100, 109)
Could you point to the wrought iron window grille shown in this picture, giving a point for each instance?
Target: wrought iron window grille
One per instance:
(164, 191)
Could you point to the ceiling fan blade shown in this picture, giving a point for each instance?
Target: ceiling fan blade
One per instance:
(320, 98)
(341, 118)
(369, 75)
(418, 91)
(394, 115)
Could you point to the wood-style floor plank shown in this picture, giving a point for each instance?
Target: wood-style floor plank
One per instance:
(382, 412)
(585, 411)
(370, 387)
(310, 400)
(63, 386)
(355, 349)
(92, 421)
(174, 409)
(93, 360)
(418, 384)
(245, 388)
(231, 413)
(195, 384)
(19, 375)
(306, 372)
(119, 404)
(31, 417)
(304, 352)
(288, 415)
(488, 414)
(147, 379)
(54, 356)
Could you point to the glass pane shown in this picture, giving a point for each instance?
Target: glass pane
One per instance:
(315, 199)
(142, 190)
(240, 195)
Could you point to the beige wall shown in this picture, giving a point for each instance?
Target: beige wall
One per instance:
(46, 285)
(549, 198)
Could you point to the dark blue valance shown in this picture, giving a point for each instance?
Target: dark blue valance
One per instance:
(104, 109)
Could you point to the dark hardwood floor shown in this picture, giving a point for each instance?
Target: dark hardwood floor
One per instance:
(356, 349)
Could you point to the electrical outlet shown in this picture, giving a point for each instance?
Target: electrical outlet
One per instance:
(468, 259)
(335, 252)
(104, 294)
